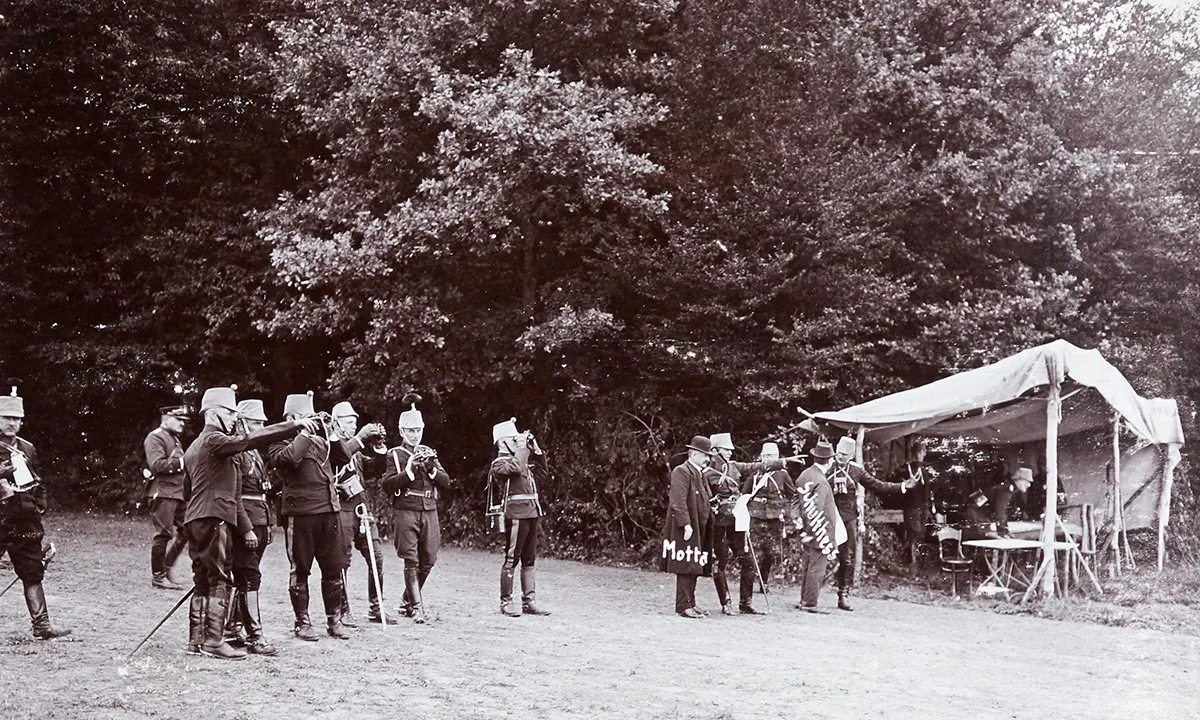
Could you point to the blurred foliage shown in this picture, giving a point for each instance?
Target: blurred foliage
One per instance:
(623, 223)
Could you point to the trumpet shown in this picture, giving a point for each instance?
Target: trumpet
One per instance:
(422, 454)
(381, 447)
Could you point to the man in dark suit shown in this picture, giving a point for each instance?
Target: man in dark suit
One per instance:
(687, 532)
(816, 518)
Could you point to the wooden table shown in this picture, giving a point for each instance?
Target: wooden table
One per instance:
(1002, 570)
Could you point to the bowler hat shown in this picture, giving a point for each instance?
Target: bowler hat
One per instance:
(701, 444)
(822, 451)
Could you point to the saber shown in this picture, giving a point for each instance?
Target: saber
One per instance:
(46, 558)
(364, 520)
(166, 617)
(754, 559)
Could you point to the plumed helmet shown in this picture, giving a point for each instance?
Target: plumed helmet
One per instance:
(252, 410)
(12, 405)
(411, 418)
(299, 404)
(506, 429)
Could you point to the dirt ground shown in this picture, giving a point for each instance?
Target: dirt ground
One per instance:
(612, 648)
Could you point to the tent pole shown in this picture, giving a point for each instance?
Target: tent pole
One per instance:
(1114, 569)
(860, 499)
(1053, 408)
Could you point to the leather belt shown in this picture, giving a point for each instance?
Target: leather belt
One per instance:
(530, 496)
(419, 493)
(260, 498)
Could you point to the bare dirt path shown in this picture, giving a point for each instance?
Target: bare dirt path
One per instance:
(612, 648)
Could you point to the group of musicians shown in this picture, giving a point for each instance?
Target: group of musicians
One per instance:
(335, 482)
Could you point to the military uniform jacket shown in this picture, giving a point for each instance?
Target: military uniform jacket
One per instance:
(164, 458)
(30, 502)
(687, 504)
(211, 472)
(253, 472)
(419, 492)
(305, 469)
(359, 465)
(516, 479)
(725, 481)
(845, 479)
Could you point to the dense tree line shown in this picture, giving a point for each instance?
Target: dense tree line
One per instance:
(621, 222)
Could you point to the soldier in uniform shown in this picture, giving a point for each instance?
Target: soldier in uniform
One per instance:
(311, 507)
(844, 478)
(513, 477)
(22, 503)
(916, 504)
(350, 479)
(414, 476)
(772, 492)
(724, 478)
(246, 559)
(215, 512)
(164, 460)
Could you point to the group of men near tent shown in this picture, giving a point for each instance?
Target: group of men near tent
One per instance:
(700, 533)
(335, 482)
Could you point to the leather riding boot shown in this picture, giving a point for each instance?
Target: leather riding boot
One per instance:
(215, 615)
(529, 592)
(255, 642)
(412, 591)
(331, 595)
(235, 633)
(844, 598)
(376, 613)
(35, 599)
(722, 584)
(157, 549)
(303, 629)
(196, 623)
(507, 606)
(423, 575)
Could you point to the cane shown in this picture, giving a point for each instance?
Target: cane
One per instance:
(364, 525)
(46, 558)
(166, 617)
(754, 559)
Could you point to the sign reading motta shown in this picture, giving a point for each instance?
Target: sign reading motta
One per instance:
(689, 554)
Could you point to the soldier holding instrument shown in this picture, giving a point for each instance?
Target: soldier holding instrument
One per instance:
(414, 477)
(22, 503)
(513, 478)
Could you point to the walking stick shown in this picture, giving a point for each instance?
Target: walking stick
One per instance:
(166, 617)
(761, 584)
(364, 525)
(46, 558)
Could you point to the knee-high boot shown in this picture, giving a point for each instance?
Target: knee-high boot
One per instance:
(529, 591)
(412, 593)
(255, 642)
(196, 610)
(331, 594)
(215, 614)
(506, 590)
(39, 615)
(304, 629)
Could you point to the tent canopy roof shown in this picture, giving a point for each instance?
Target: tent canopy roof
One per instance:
(1005, 403)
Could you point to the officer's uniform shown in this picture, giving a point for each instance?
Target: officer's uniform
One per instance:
(514, 476)
(844, 481)
(304, 466)
(164, 460)
(351, 479)
(214, 514)
(247, 577)
(22, 503)
(725, 480)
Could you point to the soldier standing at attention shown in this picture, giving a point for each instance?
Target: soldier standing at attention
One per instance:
(22, 503)
(164, 460)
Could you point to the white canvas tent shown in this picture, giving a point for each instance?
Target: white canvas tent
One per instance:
(1036, 396)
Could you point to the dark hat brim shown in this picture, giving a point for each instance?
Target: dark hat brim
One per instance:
(702, 450)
